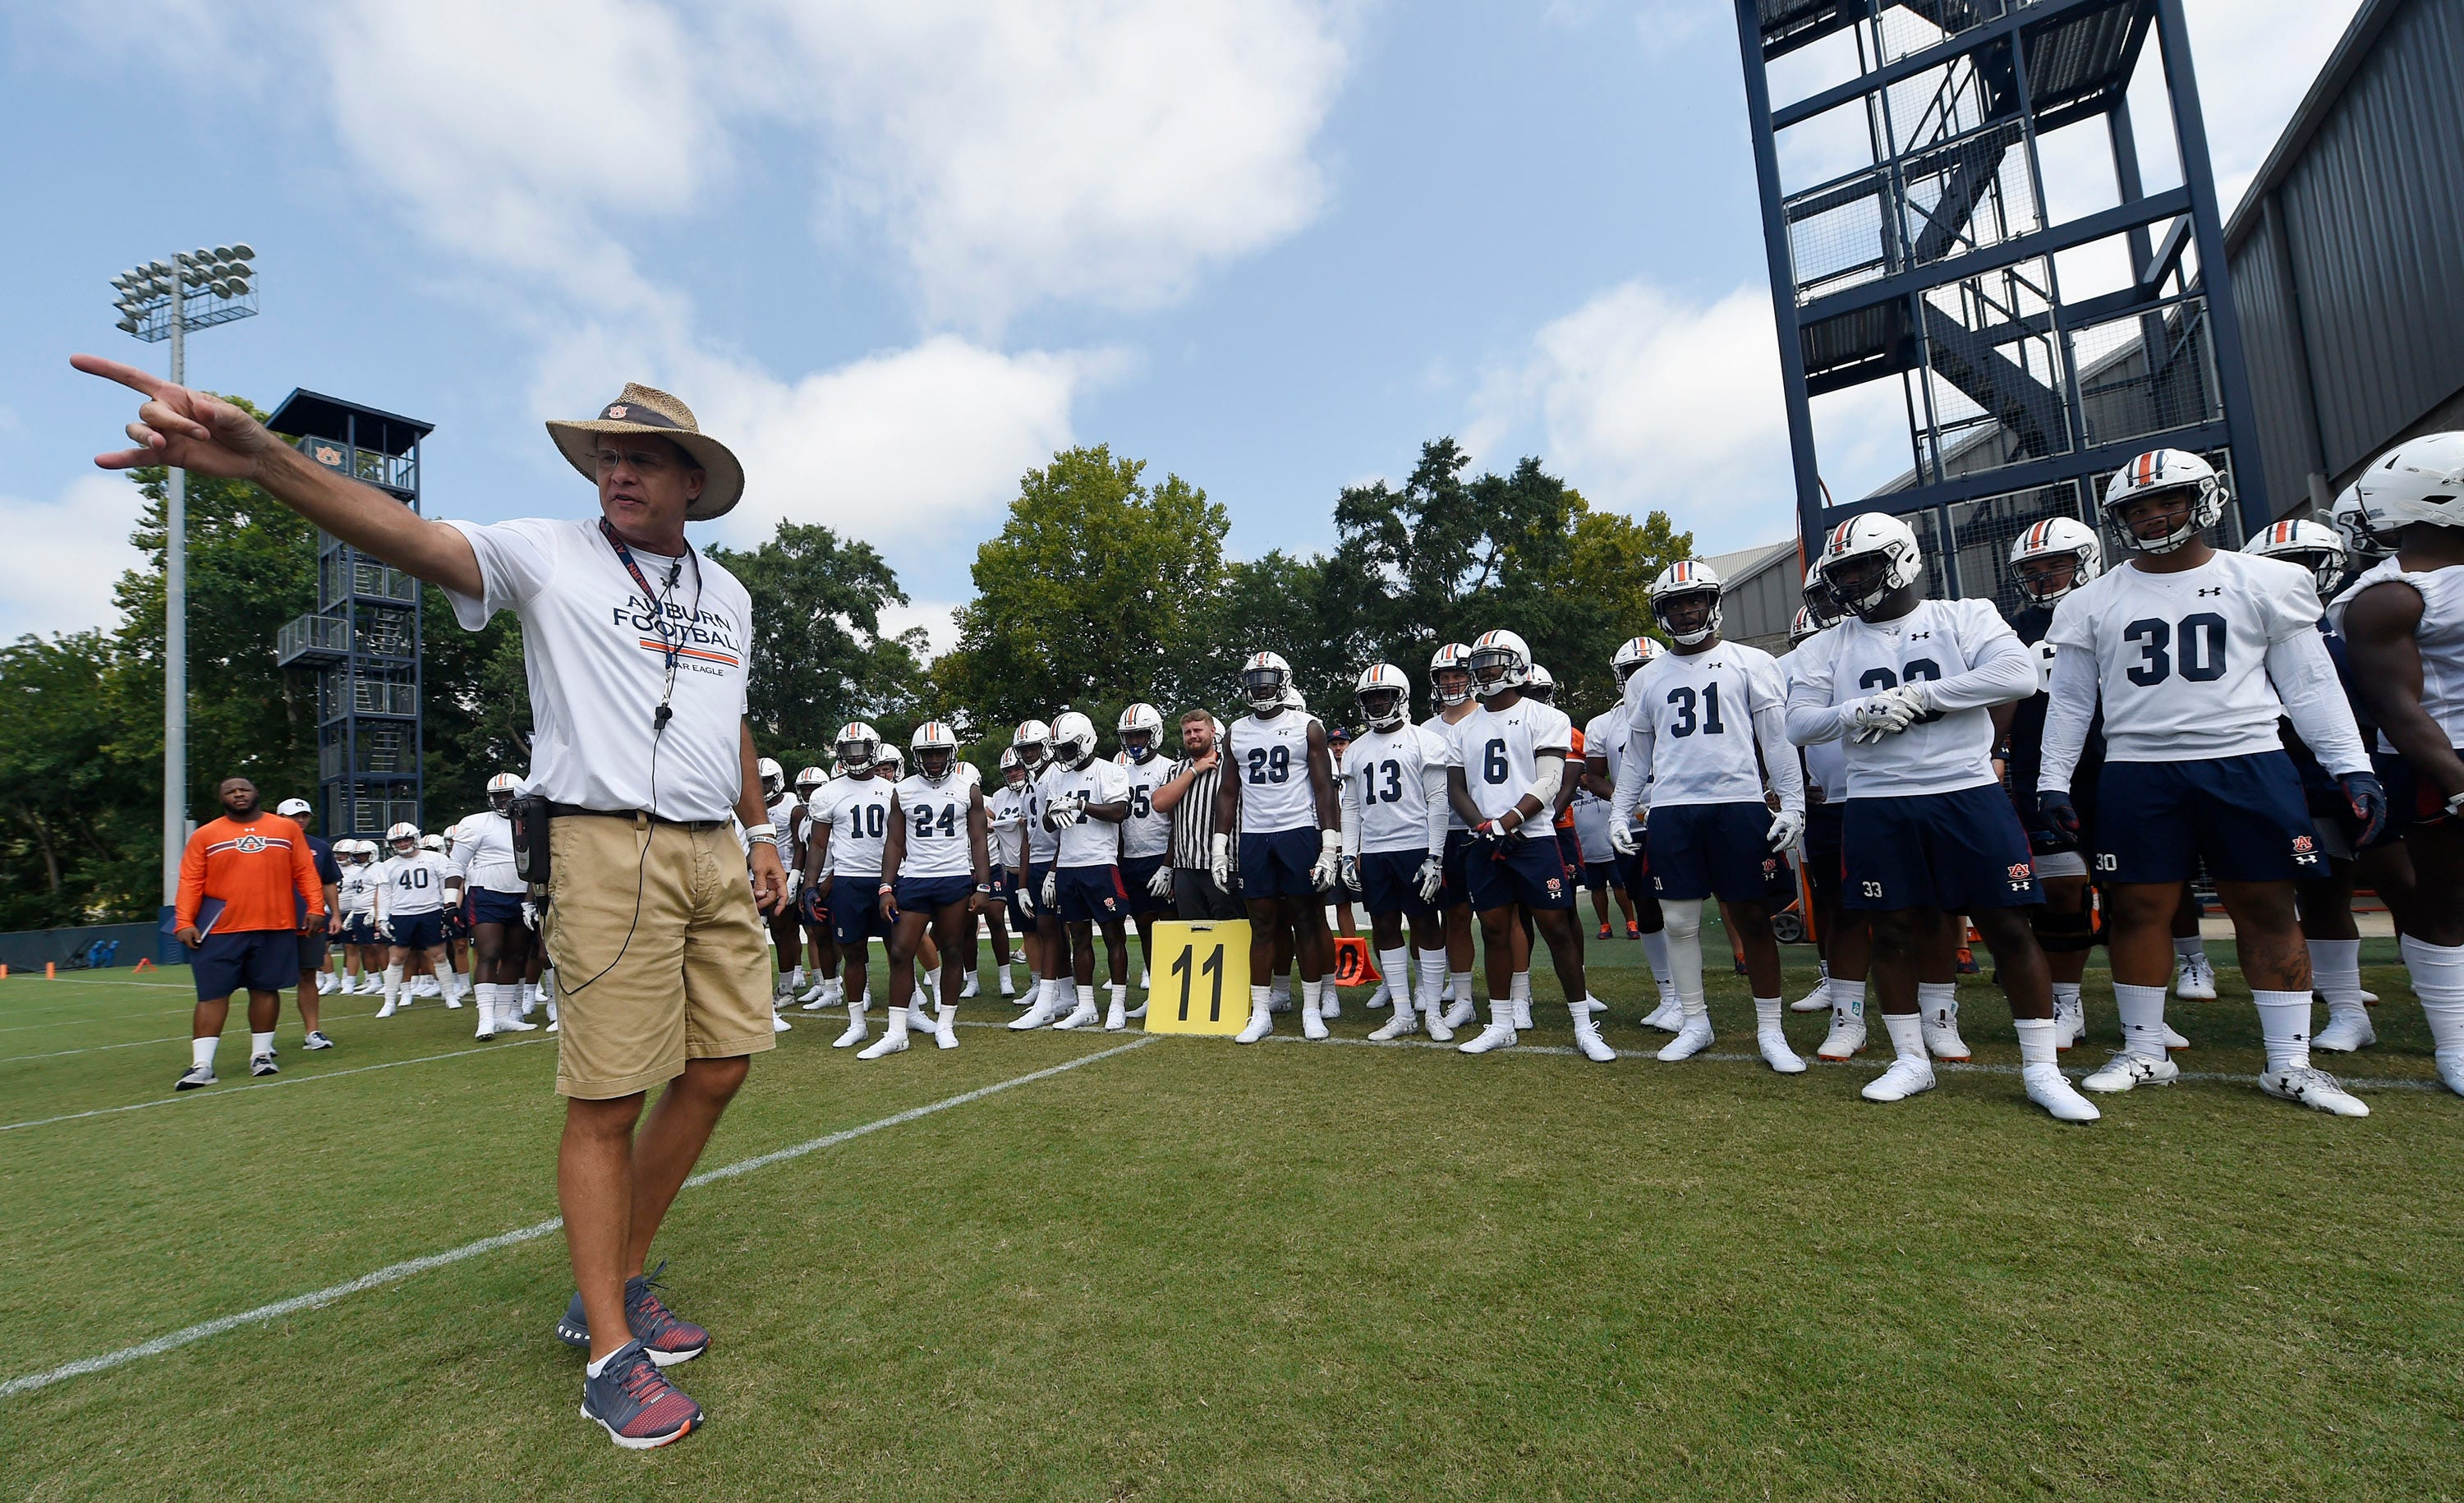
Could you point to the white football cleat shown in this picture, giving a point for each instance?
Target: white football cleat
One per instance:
(894, 1042)
(2070, 1023)
(2450, 1070)
(1084, 1015)
(1668, 1017)
(1437, 1026)
(1906, 1077)
(1383, 995)
(2126, 1071)
(2315, 1089)
(1818, 1000)
(509, 1020)
(1312, 1021)
(816, 998)
(2049, 1088)
(1138, 1011)
(1459, 1014)
(1497, 1035)
(856, 1031)
(2369, 998)
(1117, 1018)
(387, 1010)
(2194, 979)
(1329, 1004)
(1404, 1021)
(2346, 1033)
(969, 989)
(1522, 1013)
(2174, 1040)
(1587, 1038)
(1691, 1040)
(1262, 1024)
(1776, 1053)
(1941, 1039)
(778, 1024)
(1037, 1016)
(946, 1036)
(1847, 1036)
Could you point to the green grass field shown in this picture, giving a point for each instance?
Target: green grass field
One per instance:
(1185, 1269)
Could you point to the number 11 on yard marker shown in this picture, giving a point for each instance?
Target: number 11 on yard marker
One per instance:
(1204, 964)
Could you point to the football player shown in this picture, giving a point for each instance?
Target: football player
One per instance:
(2195, 654)
(1604, 762)
(1394, 843)
(1704, 720)
(1048, 946)
(843, 867)
(1005, 821)
(787, 927)
(1450, 688)
(1929, 831)
(937, 848)
(2402, 622)
(483, 871)
(1085, 799)
(356, 901)
(1278, 792)
(1146, 835)
(410, 915)
(1543, 689)
(1507, 765)
(317, 950)
(1841, 939)
(820, 972)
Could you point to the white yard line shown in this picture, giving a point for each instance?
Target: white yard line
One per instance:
(224, 1093)
(395, 1272)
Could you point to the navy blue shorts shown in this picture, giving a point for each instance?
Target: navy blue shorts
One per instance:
(1092, 895)
(1006, 888)
(1032, 885)
(1457, 889)
(253, 960)
(488, 906)
(930, 895)
(2410, 800)
(1390, 882)
(1278, 864)
(1700, 851)
(1526, 871)
(418, 931)
(2245, 815)
(1633, 872)
(856, 908)
(1822, 843)
(1599, 876)
(1137, 872)
(313, 948)
(1956, 852)
(359, 929)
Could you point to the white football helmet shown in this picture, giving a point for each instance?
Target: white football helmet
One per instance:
(1499, 661)
(2353, 525)
(936, 748)
(773, 778)
(1384, 695)
(1009, 763)
(2419, 480)
(2054, 538)
(431, 843)
(1803, 624)
(892, 757)
(2160, 471)
(1686, 577)
(1140, 731)
(401, 835)
(1033, 743)
(810, 778)
(293, 808)
(1541, 686)
(858, 746)
(1263, 678)
(1860, 540)
(1819, 602)
(1073, 739)
(1630, 657)
(2314, 545)
(1446, 661)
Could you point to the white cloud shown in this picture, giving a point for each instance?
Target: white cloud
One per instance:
(938, 617)
(66, 554)
(2255, 60)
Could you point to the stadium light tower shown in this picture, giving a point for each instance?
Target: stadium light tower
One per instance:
(163, 301)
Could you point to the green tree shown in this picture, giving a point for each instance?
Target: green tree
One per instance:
(72, 818)
(820, 658)
(475, 706)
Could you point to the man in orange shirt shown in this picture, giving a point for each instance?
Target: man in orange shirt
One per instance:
(258, 867)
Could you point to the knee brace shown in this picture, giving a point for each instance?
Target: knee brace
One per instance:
(2065, 934)
(1683, 918)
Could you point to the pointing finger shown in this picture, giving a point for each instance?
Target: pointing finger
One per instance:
(133, 377)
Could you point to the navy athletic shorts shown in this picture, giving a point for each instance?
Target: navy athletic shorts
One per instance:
(1390, 882)
(1278, 864)
(1570, 848)
(1599, 876)
(1957, 852)
(2245, 815)
(856, 908)
(1532, 872)
(1822, 843)
(488, 906)
(418, 931)
(930, 895)
(313, 948)
(1700, 851)
(2410, 800)
(359, 929)
(251, 960)
(1137, 872)
(1091, 895)
(1633, 872)
(1457, 891)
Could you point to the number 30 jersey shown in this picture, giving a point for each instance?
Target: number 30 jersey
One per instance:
(1944, 752)
(1270, 757)
(2181, 659)
(1698, 712)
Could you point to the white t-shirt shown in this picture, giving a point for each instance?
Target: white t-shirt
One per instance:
(1089, 842)
(1270, 757)
(1388, 776)
(483, 854)
(1146, 834)
(1940, 639)
(356, 892)
(1698, 712)
(2440, 638)
(2182, 658)
(1604, 737)
(411, 885)
(934, 815)
(858, 814)
(1041, 844)
(591, 649)
(1437, 726)
(1500, 755)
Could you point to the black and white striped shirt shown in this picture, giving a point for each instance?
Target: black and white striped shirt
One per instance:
(1193, 818)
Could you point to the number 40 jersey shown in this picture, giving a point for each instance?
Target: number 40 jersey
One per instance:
(1944, 752)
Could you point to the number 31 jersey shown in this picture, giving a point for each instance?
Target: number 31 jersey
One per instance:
(1699, 710)
(2181, 659)
(1944, 752)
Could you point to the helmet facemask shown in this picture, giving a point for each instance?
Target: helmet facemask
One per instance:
(1690, 617)
(1264, 687)
(2047, 576)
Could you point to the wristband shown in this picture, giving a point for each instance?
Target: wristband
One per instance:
(885, 888)
(763, 831)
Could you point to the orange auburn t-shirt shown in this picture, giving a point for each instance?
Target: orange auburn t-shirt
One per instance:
(256, 869)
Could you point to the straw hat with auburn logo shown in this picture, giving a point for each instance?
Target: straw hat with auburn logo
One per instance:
(647, 409)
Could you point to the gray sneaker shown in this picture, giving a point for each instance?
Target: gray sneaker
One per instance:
(319, 1040)
(667, 1340)
(264, 1065)
(197, 1075)
(634, 1401)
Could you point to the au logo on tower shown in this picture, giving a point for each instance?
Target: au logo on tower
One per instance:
(1201, 978)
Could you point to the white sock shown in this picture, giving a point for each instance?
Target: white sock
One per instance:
(933, 984)
(259, 1044)
(2143, 1019)
(2285, 1018)
(2035, 1041)
(2438, 980)
(1396, 964)
(549, 997)
(1766, 1013)
(2192, 948)
(1120, 991)
(392, 983)
(1822, 968)
(1908, 1036)
(1519, 986)
(1280, 988)
(2066, 995)
(1654, 949)
(1260, 997)
(1847, 999)
(1430, 984)
(1460, 984)
(1685, 935)
(1938, 1002)
(201, 1052)
(1308, 995)
(599, 1365)
(2336, 973)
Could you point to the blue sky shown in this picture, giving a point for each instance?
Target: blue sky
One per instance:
(898, 254)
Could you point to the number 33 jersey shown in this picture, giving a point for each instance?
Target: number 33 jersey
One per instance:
(1698, 709)
(2181, 659)
(1943, 752)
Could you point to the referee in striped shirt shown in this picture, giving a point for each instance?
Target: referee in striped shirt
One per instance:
(1188, 796)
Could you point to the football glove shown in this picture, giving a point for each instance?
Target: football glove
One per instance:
(1330, 860)
(2367, 797)
(384, 930)
(1431, 877)
(1159, 885)
(2054, 808)
(1051, 889)
(1218, 863)
(814, 912)
(795, 880)
(530, 913)
(1027, 899)
(1621, 833)
(1784, 827)
(1349, 874)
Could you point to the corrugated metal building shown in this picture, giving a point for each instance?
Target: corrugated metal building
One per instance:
(2347, 256)
(1761, 590)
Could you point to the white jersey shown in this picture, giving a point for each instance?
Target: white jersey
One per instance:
(412, 884)
(1042, 846)
(1826, 763)
(1089, 842)
(2182, 658)
(1604, 737)
(2440, 638)
(483, 854)
(1270, 757)
(1388, 778)
(1697, 711)
(857, 810)
(1499, 752)
(1944, 752)
(934, 818)
(1146, 834)
(783, 818)
(1006, 818)
(357, 894)
(1437, 725)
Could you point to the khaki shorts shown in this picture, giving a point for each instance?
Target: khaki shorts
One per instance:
(693, 980)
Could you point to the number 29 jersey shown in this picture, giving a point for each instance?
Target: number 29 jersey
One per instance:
(2181, 659)
(1944, 752)
(1270, 757)
(1699, 710)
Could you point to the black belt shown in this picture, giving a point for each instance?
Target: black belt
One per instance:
(556, 811)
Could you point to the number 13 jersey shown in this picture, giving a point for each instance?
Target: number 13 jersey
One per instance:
(1699, 710)
(1270, 757)
(2181, 659)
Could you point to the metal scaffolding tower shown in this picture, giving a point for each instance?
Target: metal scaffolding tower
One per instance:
(363, 638)
(1910, 238)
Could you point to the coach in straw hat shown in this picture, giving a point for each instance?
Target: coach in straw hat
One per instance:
(636, 650)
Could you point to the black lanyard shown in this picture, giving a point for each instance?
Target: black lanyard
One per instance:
(672, 646)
